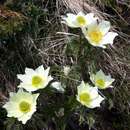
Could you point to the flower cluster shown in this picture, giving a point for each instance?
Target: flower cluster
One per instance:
(96, 31)
(22, 104)
(88, 95)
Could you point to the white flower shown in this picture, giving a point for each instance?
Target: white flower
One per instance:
(89, 96)
(36, 79)
(79, 20)
(21, 105)
(97, 34)
(66, 70)
(58, 86)
(101, 80)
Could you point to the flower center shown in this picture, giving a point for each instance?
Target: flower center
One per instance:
(85, 98)
(24, 107)
(81, 20)
(95, 36)
(36, 81)
(100, 83)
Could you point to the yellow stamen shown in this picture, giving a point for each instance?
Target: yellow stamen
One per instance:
(85, 98)
(95, 36)
(24, 107)
(81, 20)
(36, 81)
(100, 83)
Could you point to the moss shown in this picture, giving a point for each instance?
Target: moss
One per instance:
(10, 22)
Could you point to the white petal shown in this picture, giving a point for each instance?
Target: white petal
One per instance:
(12, 109)
(24, 77)
(109, 81)
(111, 86)
(77, 97)
(96, 103)
(28, 87)
(94, 92)
(21, 77)
(70, 15)
(69, 20)
(104, 26)
(58, 86)
(82, 87)
(90, 18)
(102, 46)
(24, 95)
(69, 23)
(14, 113)
(49, 79)
(40, 69)
(80, 14)
(29, 71)
(92, 26)
(109, 38)
(27, 116)
(24, 118)
(47, 71)
(45, 83)
(100, 74)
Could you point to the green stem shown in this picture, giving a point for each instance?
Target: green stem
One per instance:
(82, 61)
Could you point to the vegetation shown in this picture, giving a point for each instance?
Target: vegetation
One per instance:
(31, 34)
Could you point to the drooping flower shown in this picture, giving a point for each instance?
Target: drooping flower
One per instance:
(79, 20)
(58, 86)
(101, 80)
(36, 79)
(88, 96)
(21, 105)
(98, 34)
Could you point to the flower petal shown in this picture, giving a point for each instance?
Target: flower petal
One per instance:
(58, 86)
(108, 38)
(96, 103)
(90, 18)
(69, 20)
(40, 68)
(29, 71)
(104, 26)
